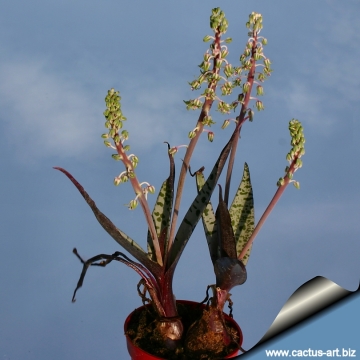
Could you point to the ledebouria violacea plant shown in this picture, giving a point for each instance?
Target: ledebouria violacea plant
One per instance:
(229, 232)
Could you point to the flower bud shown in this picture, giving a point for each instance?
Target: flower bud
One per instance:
(298, 163)
(116, 157)
(133, 204)
(125, 134)
(207, 38)
(135, 159)
(281, 182)
(131, 174)
(241, 98)
(117, 139)
(296, 184)
(124, 178)
(117, 181)
(251, 115)
(228, 40)
(264, 41)
(173, 150)
(191, 134)
(151, 189)
(225, 124)
(210, 136)
(107, 143)
(112, 133)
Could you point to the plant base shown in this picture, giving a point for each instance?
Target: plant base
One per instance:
(143, 342)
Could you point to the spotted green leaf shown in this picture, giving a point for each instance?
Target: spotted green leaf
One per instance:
(162, 212)
(209, 221)
(242, 213)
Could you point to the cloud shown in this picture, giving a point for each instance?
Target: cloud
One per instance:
(46, 114)
(328, 80)
(50, 114)
(155, 114)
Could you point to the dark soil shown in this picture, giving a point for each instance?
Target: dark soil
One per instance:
(143, 333)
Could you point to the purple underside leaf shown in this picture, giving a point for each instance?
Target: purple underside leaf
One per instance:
(120, 237)
(226, 238)
(229, 273)
(196, 209)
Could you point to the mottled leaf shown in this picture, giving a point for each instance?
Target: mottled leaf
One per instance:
(162, 212)
(242, 214)
(209, 222)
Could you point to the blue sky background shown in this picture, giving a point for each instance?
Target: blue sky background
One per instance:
(57, 61)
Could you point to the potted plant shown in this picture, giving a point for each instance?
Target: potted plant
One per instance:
(163, 327)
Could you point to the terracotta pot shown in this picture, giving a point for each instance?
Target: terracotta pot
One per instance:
(138, 354)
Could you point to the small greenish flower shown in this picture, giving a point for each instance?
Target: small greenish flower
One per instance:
(267, 63)
(226, 88)
(207, 120)
(259, 90)
(207, 38)
(246, 87)
(209, 94)
(228, 70)
(224, 53)
(195, 85)
(259, 105)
